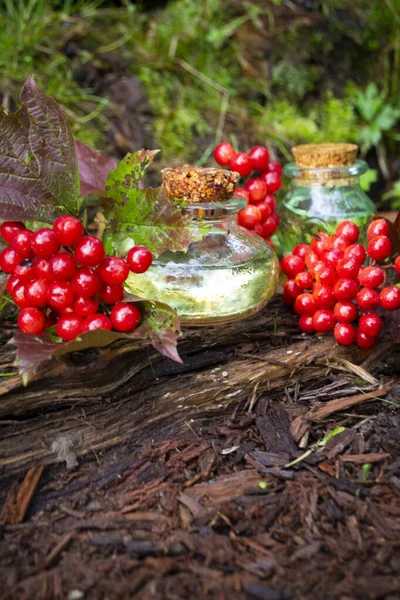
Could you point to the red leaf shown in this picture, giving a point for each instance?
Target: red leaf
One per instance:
(94, 168)
(38, 165)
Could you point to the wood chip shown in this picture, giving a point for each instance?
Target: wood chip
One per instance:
(343, 403)
(361, 459)
(17, 503)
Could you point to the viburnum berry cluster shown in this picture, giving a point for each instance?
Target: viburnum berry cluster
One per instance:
(260, 213)
(330, 288)
(60, 276)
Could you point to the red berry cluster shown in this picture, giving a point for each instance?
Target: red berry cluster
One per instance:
(259, 214)
(62, 277)
(341, 289)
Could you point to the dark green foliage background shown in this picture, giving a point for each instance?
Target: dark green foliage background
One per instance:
(276, 71)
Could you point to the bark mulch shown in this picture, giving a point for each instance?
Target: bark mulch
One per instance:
(289, 490)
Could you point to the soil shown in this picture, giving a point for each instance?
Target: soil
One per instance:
(214, 507)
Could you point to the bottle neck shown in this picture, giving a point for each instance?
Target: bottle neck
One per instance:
(326, 177)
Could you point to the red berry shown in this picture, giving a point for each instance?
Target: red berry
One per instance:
(69, 230)
(269, 227)
(43, 269)
(10, 228)
(62, 266)
(274, 167)
(69, 326)
(311, 260)
(248, 217)
(25, 271)
(340, 242)
(257, 190)
(349, 230)
(347, 268)
(96, 321)
(305, 304)
(331, 257)
(31, 320)
(84, 307)
(323, 320)
(241, 163)
(125, 316)
(323, 296)
(390, 298)
(325, 274)
(11, 283)
(258, 229)
(36, 292)
(242, 193)
(292, 265)
(345, 334)
(89, 252)
(290, 291)
(356, 252)
(378, 227)
(21, 243)
(139, 259)
(45, 243)
(301, 250)
(304, 280)
(60, 295)
(379, 248)
(113, 270)
(259, 157)
(306, 323)
(276, 218)
(111, 294)
(18, 295)
(318, 242)
(367, 299)
(272, 180)
(346, 289)
(397, 265)
(223, 153)
(371, 277)
(9, 259)
(270, 200)
(264, 209)
(86, 282)
(365, 341)
(370, 324)
(345, 312)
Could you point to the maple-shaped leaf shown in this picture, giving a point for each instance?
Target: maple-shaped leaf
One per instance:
(159, 324)
(94, 168)
(146, 215)
(38, 164)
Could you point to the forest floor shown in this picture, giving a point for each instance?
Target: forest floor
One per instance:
(219, 510)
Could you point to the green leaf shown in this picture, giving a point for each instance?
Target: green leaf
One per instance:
(146, 215)
(159, 324)
(368, 178)
(330, 435)
(369, 102)
(38, 165)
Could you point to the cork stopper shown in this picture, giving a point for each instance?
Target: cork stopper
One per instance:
(325, 156)
(198, 184)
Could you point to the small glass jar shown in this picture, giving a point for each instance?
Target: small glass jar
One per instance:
(320, 198)
(229, 274)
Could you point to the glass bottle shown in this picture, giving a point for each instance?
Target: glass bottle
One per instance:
(324, 191)
(229, 274)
